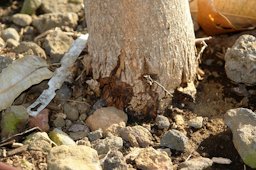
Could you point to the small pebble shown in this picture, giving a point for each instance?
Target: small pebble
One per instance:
(196, 123)
(59, 121)
(97, 134)
(71, 112)
(68, 123)
(10, 33)
(12, 43)
(179, 120)
(174, 139)
(22, 19)
(82, 117)
(78, 127)
(162, 122)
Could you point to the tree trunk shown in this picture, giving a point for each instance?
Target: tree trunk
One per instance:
(131, 41)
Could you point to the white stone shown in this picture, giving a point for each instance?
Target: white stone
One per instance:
(78, 157)
(240, 60)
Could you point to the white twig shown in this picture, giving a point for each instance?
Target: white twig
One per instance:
(201, 41)
(151, 81)
(59, 76)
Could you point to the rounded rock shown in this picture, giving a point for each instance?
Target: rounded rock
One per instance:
(196, 123)
(240, 60)
(162, 122)
(22, 19)
(71, 112)
(12, 43)
(10, 33)
(105, 117)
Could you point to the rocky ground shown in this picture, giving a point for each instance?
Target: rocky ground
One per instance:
(81, 132)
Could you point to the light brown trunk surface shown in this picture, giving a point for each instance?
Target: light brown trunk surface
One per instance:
(129, 39)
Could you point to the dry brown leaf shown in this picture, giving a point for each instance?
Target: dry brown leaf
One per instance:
(219, 16)
(19, 76)
(193, 8)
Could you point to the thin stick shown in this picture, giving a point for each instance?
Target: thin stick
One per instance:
(189, 156)
(17, 150)
(151, 81)
(199, 40)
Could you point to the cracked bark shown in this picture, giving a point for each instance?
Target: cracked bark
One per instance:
(132, 38)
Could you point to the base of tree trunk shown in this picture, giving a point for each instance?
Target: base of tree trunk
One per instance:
(140, 50)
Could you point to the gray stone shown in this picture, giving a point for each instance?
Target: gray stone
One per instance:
(56, 44)
(11, 43)
(52, 20)
(10, 33)
(97, 134)
(105, 117)
(78, 131)
(83, 117)
(78, 127)
(29, 34)
(59, 120)
(22, 19)
(71, 112)
(196, 122)
(78, 157)
(242, 123)
(39, 141)
(64, 6)
(137, 136)
(196, 164)
(162, 122)
(115, 160)
(4, 62)
(174, 139)
(78, 135)
(30, 6)
(29, 48)
(109, 143)
(151, 159)
(63, 94)
(68, 123)
(240, 60)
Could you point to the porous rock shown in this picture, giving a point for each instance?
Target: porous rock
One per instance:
(29, 48)
(52, 20)
(241, 60)
(174, 139)
(151, 159)
(242, 123)
(137, 136)
(78, 157)
(56, 44)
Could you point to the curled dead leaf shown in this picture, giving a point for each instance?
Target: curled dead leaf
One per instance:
(218, 16)
(19, 76)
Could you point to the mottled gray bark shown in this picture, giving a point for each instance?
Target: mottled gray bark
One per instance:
(129, 39)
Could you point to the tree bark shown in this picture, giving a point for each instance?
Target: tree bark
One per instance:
(130, 39)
